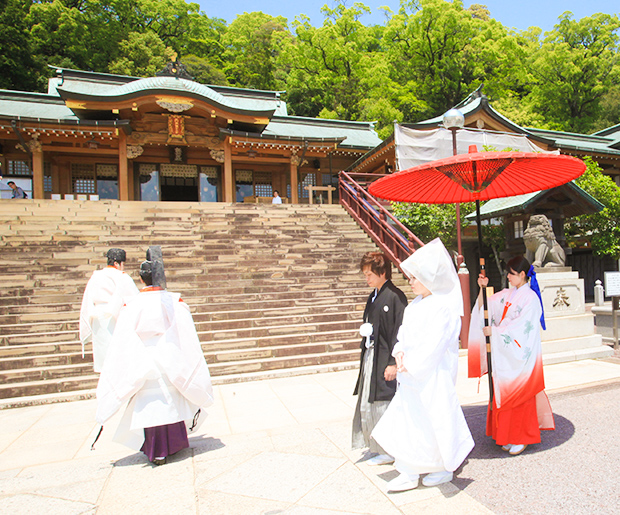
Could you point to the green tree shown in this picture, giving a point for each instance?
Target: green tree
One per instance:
(443, 52)
(19, 70)
(141, 55)
(429, 221)
(250, 50)
(203, 71)
(609, 109)
(574, 67)
(337, 70)
(98, 34)
(602, 229)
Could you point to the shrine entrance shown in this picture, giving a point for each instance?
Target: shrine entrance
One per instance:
(178, 183)
(180, 189)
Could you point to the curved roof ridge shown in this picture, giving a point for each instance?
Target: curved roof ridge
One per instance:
(170, 85)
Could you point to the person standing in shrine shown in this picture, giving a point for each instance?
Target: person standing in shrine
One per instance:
(424, 427)
(107, 291)
(376, 383)
(519, 408)
(156, 364)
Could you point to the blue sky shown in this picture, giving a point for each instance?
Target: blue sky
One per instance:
(515, 14)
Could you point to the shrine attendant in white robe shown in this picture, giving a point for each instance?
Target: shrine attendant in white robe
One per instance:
(107, 291)
(520, 407)
(424, 427)
(155, 362)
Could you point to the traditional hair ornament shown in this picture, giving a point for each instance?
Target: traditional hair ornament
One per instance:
(534, 286)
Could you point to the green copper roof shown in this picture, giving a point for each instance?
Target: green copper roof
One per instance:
(588, 143)
(162, 85)
(20, 104)
(498, 207)
(356, 134)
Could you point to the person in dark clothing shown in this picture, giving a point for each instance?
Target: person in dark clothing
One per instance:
(376, 383)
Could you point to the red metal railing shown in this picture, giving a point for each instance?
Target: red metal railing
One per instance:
(394, 239)
(387, 232)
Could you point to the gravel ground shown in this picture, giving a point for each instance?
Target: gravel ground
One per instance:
(576, 468)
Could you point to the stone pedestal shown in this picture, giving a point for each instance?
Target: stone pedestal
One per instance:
(605, 321)
(570, 333)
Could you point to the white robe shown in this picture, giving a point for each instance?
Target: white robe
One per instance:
(155, 362)
(105, 294)
(516, 350)
(424, 427)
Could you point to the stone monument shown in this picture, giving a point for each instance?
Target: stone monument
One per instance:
(570, 333)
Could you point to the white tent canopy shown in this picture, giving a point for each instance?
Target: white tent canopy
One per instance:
(416, 147)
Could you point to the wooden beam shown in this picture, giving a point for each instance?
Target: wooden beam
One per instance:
(229, 179)
(37, 174)
(80, 150)
(123, 177)
(294, 182)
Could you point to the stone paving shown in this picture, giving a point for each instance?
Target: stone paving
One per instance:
(279, 446)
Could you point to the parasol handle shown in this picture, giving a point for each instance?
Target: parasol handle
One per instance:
(487, 338)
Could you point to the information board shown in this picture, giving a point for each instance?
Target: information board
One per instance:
(612, 284)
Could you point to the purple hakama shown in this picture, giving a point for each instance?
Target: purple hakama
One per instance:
(161, 441)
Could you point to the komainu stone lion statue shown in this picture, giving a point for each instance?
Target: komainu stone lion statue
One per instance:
(542, 249)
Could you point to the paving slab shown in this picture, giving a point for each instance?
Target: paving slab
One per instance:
(283, 446)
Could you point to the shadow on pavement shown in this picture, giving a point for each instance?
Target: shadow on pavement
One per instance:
(202, 444)
(486, 449)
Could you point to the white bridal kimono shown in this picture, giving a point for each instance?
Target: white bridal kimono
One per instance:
(424, 427)
(105, 294)
(156, 363)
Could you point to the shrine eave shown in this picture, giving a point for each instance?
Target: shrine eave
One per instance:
(125, 124)
(371, 154)
(471, 107)
(272, 137)
(160, 86)
(581, 202)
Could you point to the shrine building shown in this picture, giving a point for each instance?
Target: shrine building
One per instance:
(168, 138)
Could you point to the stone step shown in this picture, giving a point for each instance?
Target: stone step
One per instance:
(205, 310)
(204, 321)
(283, 339)
(273, 289)
(79, 377)
(196, 295)
(48, 386)
(292, 331)
(279, 351)
(253, 366)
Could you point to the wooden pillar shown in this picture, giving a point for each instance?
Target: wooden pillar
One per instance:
(294, 180)
(229, 179)
(123, 177)
(37, 173)
(56, 186)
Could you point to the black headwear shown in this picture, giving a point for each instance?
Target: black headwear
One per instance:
(153, 254)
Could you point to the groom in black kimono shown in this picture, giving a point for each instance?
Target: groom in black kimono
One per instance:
(376, 384)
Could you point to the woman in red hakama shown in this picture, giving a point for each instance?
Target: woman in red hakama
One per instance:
(519, 408)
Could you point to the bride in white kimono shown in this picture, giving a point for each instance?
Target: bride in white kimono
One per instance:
(424, 427)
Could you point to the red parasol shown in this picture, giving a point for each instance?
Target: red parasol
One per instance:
(478, 176)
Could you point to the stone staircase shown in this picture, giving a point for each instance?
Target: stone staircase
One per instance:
(274, 290)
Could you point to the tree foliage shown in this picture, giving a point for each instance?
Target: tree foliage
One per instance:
(573, 68)
(423, 59)
(601, 230)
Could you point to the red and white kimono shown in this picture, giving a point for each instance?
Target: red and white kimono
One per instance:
(520, 406)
